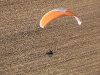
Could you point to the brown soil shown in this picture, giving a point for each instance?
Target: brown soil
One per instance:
(23, 44)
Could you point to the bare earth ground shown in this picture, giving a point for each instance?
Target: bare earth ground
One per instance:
(23, 43)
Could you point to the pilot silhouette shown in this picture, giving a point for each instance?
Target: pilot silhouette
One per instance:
(50, 53)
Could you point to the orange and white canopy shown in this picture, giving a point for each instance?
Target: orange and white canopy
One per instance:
(57, 13)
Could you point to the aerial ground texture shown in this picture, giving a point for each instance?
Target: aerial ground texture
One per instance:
(23, 44)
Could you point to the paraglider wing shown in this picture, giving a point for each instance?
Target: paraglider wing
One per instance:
(56, 13)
